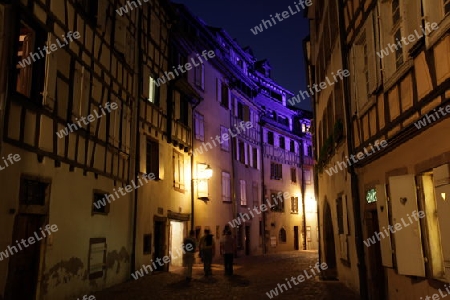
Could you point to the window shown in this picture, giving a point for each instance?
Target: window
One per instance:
(398, 50)
(243, 112)
(340, 215)
(30, 66)
(32, 192)
(225, 143)
(97, 258)
(243, 193)
(276, 171)
(240, 238)
(101, 203)
(199, 76)
(292, 146)
(395, 12)
(152, 157)
(309, 151)
(282, 235)
(147, 243)
(282, 142)
(199, 126)
(224, 96)
(255, 158)
(90, 8)
(226, 187)
(255, 194)
(447, 6)
(294, 205)
(270, 138)
(242, 152)
(293, 175)
(277, 201)
(153, 91)
(178, 171)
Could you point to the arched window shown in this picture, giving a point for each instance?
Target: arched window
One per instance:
(282, 235)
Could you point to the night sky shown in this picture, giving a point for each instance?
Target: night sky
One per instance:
(281, 44)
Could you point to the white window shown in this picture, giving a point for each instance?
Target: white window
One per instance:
(151, 90)
(226, 187)
(199, 126)
(243, 193)
(199, 76)
(225, 143)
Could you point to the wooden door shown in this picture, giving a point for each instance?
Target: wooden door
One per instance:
(24, 265)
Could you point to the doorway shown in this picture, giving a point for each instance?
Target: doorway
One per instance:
(247, 240)
(24, 264)
(176, 240)
(329, 246)
(296, 241)
(375, 274)
(160, 243)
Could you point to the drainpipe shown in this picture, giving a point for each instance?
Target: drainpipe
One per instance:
(192, 167)
(136, 113)
(362, 270)
(302, 161)
(261, 136)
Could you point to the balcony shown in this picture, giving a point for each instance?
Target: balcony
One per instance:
(281, 155)
(250, 134)
(275, 123)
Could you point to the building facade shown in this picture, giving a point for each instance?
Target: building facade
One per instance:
(98, 142)
(396, 92)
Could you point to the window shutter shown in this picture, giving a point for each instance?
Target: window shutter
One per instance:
(243, 193)
(49, 93)
(387, 62)
(372, 57)
(160, 165)
(143, 157)
(411, 20)
(408, 242)
(441, 178)
(383, 221)
(120, 38)
(218, 90)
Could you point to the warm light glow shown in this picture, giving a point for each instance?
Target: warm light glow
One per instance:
(204, 171)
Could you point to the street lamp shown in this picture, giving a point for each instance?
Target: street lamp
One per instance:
(204, 173)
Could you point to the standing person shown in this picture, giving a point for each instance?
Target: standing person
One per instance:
(228, 246)
(207, 249)
(190, 245)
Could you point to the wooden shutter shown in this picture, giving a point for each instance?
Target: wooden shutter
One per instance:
(372, 57)
(49, 93)
(441, 179)
(408, 242)
(383, 221)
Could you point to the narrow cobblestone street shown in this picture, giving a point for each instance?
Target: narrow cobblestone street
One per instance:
(254, 276)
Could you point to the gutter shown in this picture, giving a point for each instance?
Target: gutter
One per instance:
(362, 269)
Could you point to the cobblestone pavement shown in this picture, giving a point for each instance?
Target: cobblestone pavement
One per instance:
(254, 276)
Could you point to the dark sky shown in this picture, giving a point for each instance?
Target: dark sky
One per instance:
(281, 44)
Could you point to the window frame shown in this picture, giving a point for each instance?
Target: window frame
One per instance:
(227, 179)
(152, 165)
(178, 163)
(98, 195)
(199, 126)
(294, 205)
